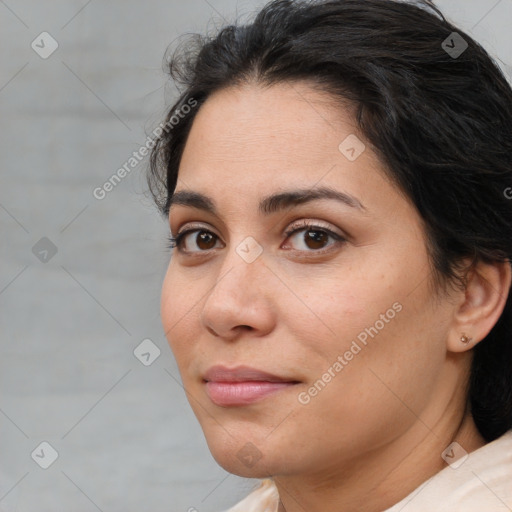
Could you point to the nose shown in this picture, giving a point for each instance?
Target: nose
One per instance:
(240, 299)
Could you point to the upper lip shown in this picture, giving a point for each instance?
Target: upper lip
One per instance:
(220, 373)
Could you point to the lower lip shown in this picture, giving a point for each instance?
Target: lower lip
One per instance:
(242, 393)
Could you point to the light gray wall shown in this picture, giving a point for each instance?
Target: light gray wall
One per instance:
(125, 436)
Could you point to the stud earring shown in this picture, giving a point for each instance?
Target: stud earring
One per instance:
(465, 339)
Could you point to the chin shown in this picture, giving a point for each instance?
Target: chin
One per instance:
(241, 454)
(247, 464)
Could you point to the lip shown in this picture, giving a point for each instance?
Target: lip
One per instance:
(242, 385)
(219, 373)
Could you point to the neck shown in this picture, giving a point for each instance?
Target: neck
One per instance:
(382, 478)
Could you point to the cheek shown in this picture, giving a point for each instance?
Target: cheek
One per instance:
(375, 320)
(176, 310)
(369, 396)
(390, 351)
(340, 306)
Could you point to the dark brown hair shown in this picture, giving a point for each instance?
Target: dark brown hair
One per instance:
(437, 112)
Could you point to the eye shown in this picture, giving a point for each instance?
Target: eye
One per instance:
(203, 240)
(314, 238)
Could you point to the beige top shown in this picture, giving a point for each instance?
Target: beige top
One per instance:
(482, 482)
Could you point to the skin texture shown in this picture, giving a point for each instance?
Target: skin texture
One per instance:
(377, 430)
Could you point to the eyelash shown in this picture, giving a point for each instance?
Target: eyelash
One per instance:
(174, 242)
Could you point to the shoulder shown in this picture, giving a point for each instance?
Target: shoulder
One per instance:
(264, 498)
(480, 480)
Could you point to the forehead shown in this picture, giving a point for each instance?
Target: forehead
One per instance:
(286, 120)
(287, 126)
(251, 141)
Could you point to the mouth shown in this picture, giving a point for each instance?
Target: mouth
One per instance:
(242, 385)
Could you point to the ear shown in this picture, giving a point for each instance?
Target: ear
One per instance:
(480, 305)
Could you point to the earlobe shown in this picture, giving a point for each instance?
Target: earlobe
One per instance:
(485, 296)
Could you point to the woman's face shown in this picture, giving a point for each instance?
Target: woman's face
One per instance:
(341, 314)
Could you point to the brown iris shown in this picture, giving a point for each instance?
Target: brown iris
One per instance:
(316, 239)
(206, 238)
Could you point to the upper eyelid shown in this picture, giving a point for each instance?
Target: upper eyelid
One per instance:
(297, 224)
(192, 226)
(304, 223)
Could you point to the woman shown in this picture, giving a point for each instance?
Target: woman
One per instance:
(337, 181)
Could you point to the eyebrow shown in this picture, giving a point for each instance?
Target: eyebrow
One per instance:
(270, 204)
